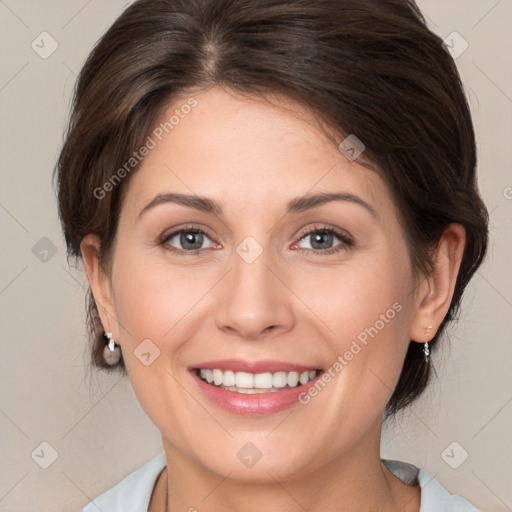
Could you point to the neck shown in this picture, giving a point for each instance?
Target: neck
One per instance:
(354, 480)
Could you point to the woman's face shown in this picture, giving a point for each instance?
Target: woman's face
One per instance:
(275, 285)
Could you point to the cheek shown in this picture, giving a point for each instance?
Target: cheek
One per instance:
(154, 304)
(372, 307)
(367, 294)
(152, 296)
(367, 309)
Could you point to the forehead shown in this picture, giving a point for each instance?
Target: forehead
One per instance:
(246, 152)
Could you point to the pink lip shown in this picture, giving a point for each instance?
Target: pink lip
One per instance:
(239, 365)
(259, 404)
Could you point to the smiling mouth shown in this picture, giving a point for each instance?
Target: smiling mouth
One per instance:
(253, 383)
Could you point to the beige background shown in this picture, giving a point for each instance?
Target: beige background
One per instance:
(92, 421)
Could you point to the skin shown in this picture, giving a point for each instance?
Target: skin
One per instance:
(253, 157)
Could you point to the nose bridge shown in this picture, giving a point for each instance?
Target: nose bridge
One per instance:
(254, 299)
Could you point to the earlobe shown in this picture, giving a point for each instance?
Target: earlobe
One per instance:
(438, 288)
(99, 281)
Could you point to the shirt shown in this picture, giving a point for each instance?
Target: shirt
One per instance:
(132, 494)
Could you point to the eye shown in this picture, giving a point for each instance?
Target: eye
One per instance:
(190, 239)
(321, 240)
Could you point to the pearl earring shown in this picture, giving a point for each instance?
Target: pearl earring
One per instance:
(111, 352)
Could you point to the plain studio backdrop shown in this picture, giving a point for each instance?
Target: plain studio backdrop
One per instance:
(66, 434)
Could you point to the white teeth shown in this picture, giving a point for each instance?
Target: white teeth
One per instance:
(279, 379)
(249, 391)
(208, 375)
(263, 380)
(293, 379)
(217, 377)
(251, 383)
(304, 377)
(229, 378)
(244, 380)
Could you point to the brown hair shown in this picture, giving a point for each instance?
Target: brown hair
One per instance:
(367, 67)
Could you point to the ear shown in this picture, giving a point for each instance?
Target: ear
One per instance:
(99, 281)
(436, 290)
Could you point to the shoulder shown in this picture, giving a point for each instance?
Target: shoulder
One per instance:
(434, 497)
(132, 493)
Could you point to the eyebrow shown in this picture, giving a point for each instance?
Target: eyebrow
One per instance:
(296, 205)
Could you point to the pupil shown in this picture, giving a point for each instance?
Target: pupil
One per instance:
(319, 238)
(188, 238)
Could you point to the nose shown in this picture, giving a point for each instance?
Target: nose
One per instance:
(254, 301)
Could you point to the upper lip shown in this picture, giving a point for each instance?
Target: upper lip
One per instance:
(264, 366)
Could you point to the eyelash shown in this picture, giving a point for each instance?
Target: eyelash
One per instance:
(346, 241)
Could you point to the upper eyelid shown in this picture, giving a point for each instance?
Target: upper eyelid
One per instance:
(164, 238)
(324, 228)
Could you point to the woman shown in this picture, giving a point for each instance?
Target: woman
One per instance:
(276, 206)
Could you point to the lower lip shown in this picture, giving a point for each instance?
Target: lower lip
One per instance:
(258, 404)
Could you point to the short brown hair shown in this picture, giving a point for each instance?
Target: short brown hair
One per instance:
(367, 67)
